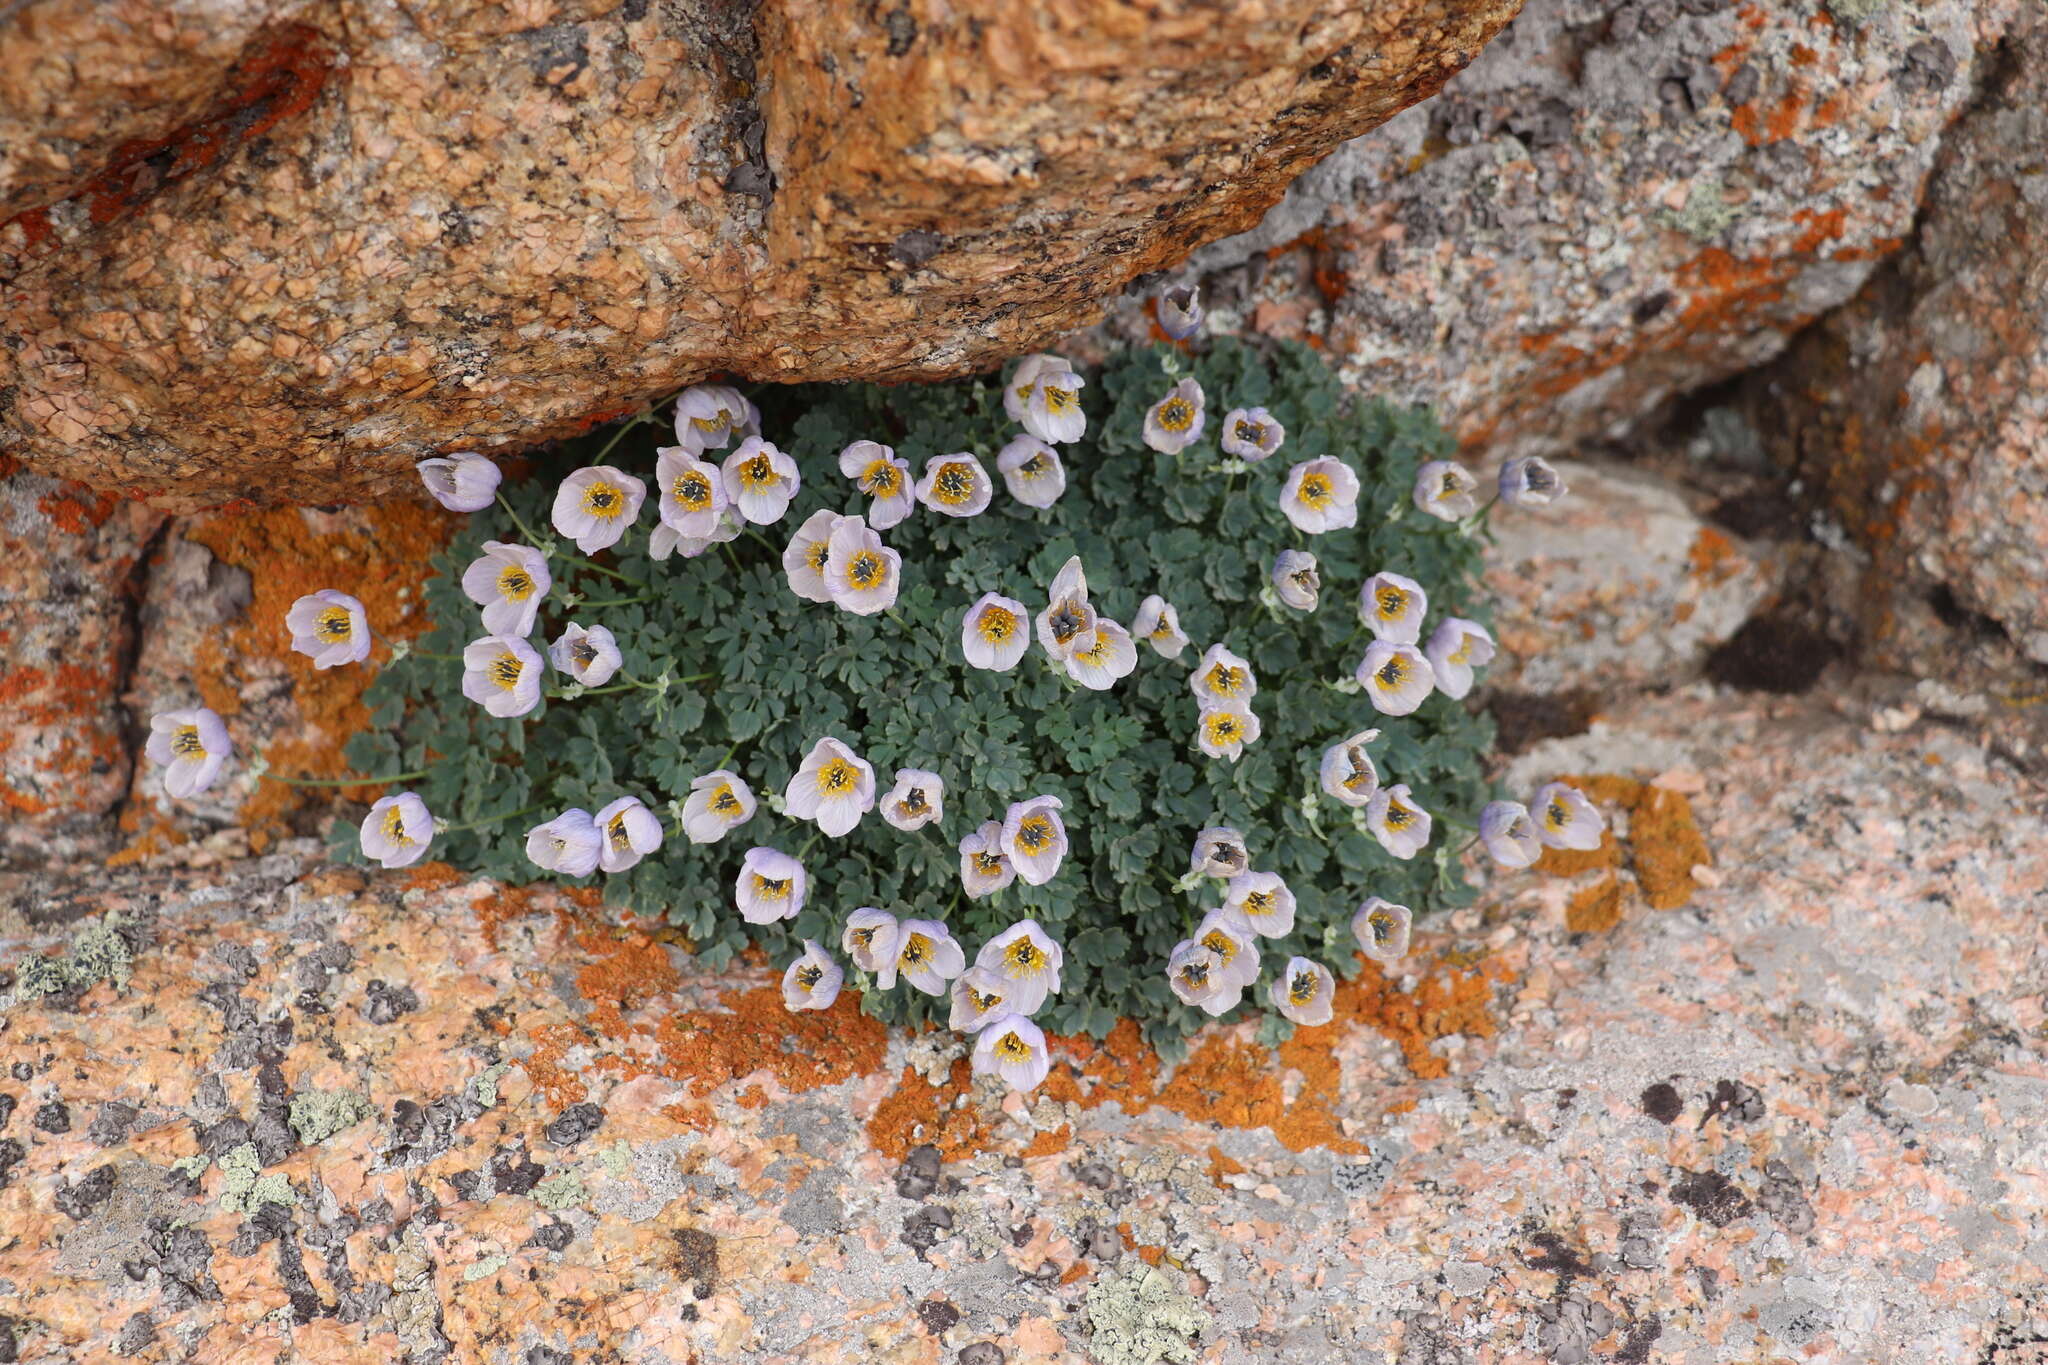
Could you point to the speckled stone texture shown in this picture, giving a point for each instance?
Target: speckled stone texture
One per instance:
(325, 1117)
(326, 238)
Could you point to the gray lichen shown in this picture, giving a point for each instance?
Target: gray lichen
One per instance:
(1707, 213)
(1142, 1318)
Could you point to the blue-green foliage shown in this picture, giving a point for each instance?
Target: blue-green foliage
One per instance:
(784, 672)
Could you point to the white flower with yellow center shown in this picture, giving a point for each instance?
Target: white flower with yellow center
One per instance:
(509, 582)
(1565, 818)
(1401, 826)
(1348, 773)
(1382, 929)
(1034, 838)
(1251, 434)
(918, 799)
(594, 506)
(1032, 471)
(870, 938)
(464, 482)
(1223, 731)
(812, 981)
(1396, 677)
(664, 540)
(570, 844)
(955, 485)
(1530, 482)
(771, 886)
(877, 472)
(1392, 607)
(329, 627)
(590, 656)
(1158, 625)
(861, 573)
(993, 633)
(1027, 961)
(760, 480)
(709, 415)
(1017, 393)
(1175, 422)
(1235, 945)
(1052, 410)
(1263, 902)
(1304, 992)
(192, 745)
(1320, 495)
(984, 868)
(1508, 832)
(834, 787)
(719, 803)
(502, 673)
(630, 833)
(1455, 648)
(693, 497)
(810, 545)
(1218, 852)
(979, 995)
(1222, 679)
(926, 957)
(1296, 580)
(1068, 622)
(1014, 1048)
(1195, 975)
(1443, 489)
(397, 830)
(1107, 656)
(1179, 311)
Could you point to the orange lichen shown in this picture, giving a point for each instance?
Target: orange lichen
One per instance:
(919, 1112)
(1595, 909)
(1713, 556)
(77, 512)
(1221, 1165)
(1050, 1143)
(1664, 841)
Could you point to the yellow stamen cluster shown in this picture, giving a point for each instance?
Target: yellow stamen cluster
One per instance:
(334, 624)
(186, 743)
(602, 499)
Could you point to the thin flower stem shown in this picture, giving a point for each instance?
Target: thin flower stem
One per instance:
(720, 765)
(344, 781)
(807, 844)
(593, 564)
(635, 420)
(766, 544)
(485, 820)
(518, 521)
(615, 601)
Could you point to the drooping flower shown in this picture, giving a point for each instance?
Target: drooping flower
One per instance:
(630, 833)
(693, 497)
(1017, 393)
(771, 886)
(192, 745)
(861, 573)
(1304, 992)
(1262, 901)
(1382, 929)
(719, 802)
(1320, 495)
(1052, 409)
(1251, 434)
(1223, 933)
(984, 868)
(1068, 621)
(329, 628)
(979, 995)
(1530, 482)
(760, 480)
(1223, 679)
(812, 981)
(1175, 422)
(1401, 826)
(502, 673)
(570, 844)
(590, 656)
(1107, 657)
(1296, 580)
(664, 540)
(926, 957)
(1027, 961)
(955, 485)
(1223, 731)
(803, 562)
(594, 506)
(1443, 489)
(1565, 818)
(463, 482)
(709, 415)
(1392, 607)
(992, 634)
(1158, 624)
(877, 472)
(918, 799)
(1396, 677)
(397, 830)
(1034, 838)
(1195, 974)
(835, 787)
(1455, 648)
(1180, 311)
(1348, 773)
(1509, 834)
(1218, 852)
(1014, 1048)
(1032, 471)
(870, 938)
(509, 582)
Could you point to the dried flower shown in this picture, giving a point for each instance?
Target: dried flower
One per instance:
(835, 787)
(1251, 434)
(1032, 471)
(1348, 773)
(1218, 852)
(1530, 482)
(1180, 311)
(861, 573)
(1296, 579)
(1444, 489)
(463, 482)
(1068, 622)
(509, 582)
(1382, 929)
(1223, 731)
(877, 472)
(1263, 902)
(812, 981)
(955, 485)
(870, 938)
(502, 673)
(396, 831)
(329, 627)
(1455, 648)
(1509, 834)
(760, 480)
(1565, 818)
(1222, 679)
(693, 496)
(1158, 624)
(1034, 838)
(1175, 422)
(192, 745)
(1320, 495)
(590, 656)
(719, 802)
(1392, 607)
(992, 633)
(1304, 992)
(918, 799)
(926, 957)
(984, 868)
(630, 833)
(1108, 657)
(1401, 826)
(1027, 961)
(594, 506)
(771, 886)
(570, 844)
(1396, 677)
(1014, 1048)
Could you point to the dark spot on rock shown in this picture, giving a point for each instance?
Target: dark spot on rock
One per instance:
(11, 1155)
(901, 28)
(7, 1103)
(111, 1124)
(1711, 1196)
(922, 1230)
(1526, 719)
(938, 1316)
(1647, 308)
(1759, 514)
(22, 1071)
(554, 1235)
(466, 1184)
(1635, 1348)
(237, 958)
(751, 178)
(1772, 653)
(982, 1353)
(918, 1176)
(1735, 1101)
(1095, 1175)
(136, 1335)
(915, 247)
(633, 11)
(1782, 1197)
(384, 1004)
(53, 1116)
(576, 1123)
(697, 1259)
(1552, 1253)
(81, 1199)
(1743, 83)
(1661, 1102)
(1929, 66)
(1097, 1242)
(182, 1258)
(515, 1172)
(1021, 1234)
(557, 53)
(548, 1355)
(10, 1346)
(218, 1139)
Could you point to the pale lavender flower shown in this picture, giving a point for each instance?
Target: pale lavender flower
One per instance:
(1034, 838)
(329, 628)
(509, 582)
(1382, 929)
(192, 745)
(1347, 771)
(992, 634)
(1027, 961)
(630, 833)
(984, 868)
(1396, 677)
(1068, 622)
(1107, 656)
(1401, 826)
(1304, 992)
(771, 886)
(870, 938)
(926, 957)
(1444, 489)
(1296, 580)
(861, 573)
(1320, 495)
(1251, 434)
(834, 786)
(1263, 901)
(1223, 679)
(1175, 422)
(1218, 852)
(1180, 311)
(1236, 947)
(693, 497)
(502, 673)
(1017, 393)
(812, 981)
(1052, 410)
(397, 830)
(1196, 976)
(1455, 648)
(955, 485)
(1223, 731)
(918, 799)
(979, 995)
(709, 415)
(877, 472)
(1530, 482)
(1014, 1048)
(1565, 818)
(590, 656)
(1032, 471)
(1392, 607)
(463, 482)
(719, 802)
(1509, 834)
(760, 480)
(1158, 624)
(803, 562)
(570, 844)
(594, 506)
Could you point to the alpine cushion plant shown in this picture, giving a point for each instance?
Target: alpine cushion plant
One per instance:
(724, 669)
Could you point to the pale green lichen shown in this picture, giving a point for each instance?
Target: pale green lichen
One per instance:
(247, 1188)
(616, 1158)
(1855, 12)
(1142, 1318)
(1707, 213)
(317, 1115)
(97, 953)
(485, 1087)
(192, 1167)
(559, 1192)
(489, 1265)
